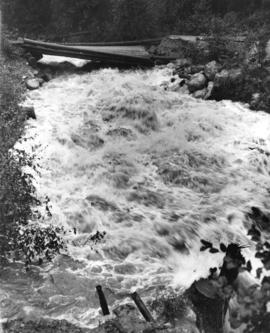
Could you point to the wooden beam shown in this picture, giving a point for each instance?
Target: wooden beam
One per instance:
(141, 306)
(102, 301)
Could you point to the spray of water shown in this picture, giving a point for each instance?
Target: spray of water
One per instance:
(126, 153)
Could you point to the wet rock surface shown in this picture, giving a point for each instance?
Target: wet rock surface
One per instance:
(238, 70)
(32, 84)
(197, 82)
(29, 112)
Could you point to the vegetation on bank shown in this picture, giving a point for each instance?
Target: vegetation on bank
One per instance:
(32, 243)
(16, 188)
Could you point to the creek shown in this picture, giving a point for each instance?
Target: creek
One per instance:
(126, 152)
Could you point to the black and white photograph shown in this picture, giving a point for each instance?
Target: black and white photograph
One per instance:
(134, 166)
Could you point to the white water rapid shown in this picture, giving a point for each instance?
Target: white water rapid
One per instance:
(123, 152)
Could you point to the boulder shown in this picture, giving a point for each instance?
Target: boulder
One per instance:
(32, 83)
(29, 111)
(197, 82)
(200, 93)
(211, 69)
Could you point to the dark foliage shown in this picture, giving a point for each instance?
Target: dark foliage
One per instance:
(132, 19)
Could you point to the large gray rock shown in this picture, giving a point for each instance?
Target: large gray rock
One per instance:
(29, 111)
(197, 82)
(211, 69)
(32, 84)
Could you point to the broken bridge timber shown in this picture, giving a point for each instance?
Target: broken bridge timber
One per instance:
(126, 53)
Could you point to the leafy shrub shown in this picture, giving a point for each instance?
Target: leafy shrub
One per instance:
(37, 243)
(252, 302)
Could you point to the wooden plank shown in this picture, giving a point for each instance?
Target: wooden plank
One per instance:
(102, 301)
(141, 306)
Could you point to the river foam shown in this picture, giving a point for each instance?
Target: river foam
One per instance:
(127, 153)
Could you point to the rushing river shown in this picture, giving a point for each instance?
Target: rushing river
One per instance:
(127, 153)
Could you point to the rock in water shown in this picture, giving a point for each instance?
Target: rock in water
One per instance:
(200, 93)
(211, 69)
(32, 84)
(29, 111)
(197, 82)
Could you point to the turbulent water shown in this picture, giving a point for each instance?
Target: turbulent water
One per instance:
(126, 152)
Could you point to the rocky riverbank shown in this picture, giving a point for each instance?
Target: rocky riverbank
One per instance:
(233, 68)
(216, 68)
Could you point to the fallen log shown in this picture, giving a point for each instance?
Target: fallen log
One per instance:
(91, 55)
